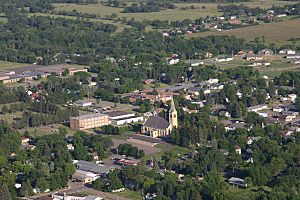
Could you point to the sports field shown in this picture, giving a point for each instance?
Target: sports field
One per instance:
(201, 10)
(273, 32)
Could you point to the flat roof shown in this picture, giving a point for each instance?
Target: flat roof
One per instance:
(117, 113)
(90, 116)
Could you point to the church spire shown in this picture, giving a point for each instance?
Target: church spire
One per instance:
(172, 105)
(173, 115)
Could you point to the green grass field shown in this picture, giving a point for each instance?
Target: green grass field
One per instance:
(273, 32)
(202, 10)
(7, 65)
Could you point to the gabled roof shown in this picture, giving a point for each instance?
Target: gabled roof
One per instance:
(157, 122)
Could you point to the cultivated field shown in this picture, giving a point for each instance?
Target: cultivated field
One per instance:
(202, 10)
(273, 32)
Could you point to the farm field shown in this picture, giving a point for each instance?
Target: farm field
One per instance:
(273, 32)
(202, 10)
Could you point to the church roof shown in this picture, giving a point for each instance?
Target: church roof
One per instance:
(157, 122)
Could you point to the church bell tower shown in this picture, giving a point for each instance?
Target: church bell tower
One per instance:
(173, 115)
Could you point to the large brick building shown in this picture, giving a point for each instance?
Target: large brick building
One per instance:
(89, 121)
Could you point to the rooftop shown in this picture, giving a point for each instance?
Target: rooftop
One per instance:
(157, 122)
(90, 116)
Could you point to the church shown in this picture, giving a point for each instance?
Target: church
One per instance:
(157, 126)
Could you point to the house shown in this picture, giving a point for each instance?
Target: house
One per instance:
(165, 34)
(226, 59)
(195, 63)
(84, 176)
(209, 54)
(156, 126)
(24, 140)
(287, 51)
(278, 109)
(295, 61)
(237, 182)
(257, 108)
(85, 103)
(266, 52)
(292, 97)
(238, 149)
(253, 57)
(292, 56)
(261, 63)
(173, 61)
(149, 81)
(250, 140)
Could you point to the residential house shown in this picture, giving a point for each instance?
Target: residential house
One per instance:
(237, 182)
(254, 57)
(257, 108)
(266, 52)
(287, 51)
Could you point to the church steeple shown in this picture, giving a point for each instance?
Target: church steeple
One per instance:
(173, 115)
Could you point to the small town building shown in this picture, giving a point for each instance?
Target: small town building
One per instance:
(89, 121)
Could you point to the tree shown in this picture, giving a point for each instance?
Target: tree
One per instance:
(43, 184)
(4, 192)
(26, 189)
(99, 184)
(4, 109)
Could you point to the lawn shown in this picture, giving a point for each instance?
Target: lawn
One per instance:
(273, 32)
(7, 65)
(130, 194)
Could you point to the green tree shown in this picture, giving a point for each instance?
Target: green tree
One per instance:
(4, 192)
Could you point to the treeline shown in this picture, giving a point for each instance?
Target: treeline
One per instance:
(129, 150)
(150, 6)
(48, 166)
(85, 144)
(240, 10)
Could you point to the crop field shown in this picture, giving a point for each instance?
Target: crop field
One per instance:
(273, 32)
(201, 10)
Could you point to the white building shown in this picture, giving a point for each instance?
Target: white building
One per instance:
(121, 118)
(257, 108)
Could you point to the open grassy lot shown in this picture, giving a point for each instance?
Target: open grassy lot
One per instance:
(201, 10)
(175, 14)
(273, 32)
(7, 65)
